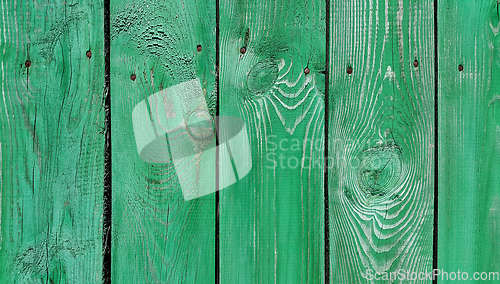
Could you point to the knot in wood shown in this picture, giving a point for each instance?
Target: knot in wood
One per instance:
(262, 76)
(380, 170)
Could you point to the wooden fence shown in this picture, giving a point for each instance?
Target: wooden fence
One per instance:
(373, 133)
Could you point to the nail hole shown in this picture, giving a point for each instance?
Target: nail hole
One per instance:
(243, 50)
(415, 63)
(27, 64)
(349, 70)
(460, 68)
(198, 48)
(89, 54)
(133, 77)
(307, 71)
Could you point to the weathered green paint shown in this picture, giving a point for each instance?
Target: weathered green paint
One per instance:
(469, 120)
(158, 237)
(271, 221)
(381, 139)
(51, 153)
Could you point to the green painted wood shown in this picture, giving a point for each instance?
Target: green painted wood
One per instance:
(51, 141)
(469, 120)
(271, 221)
(381, 139)
(158, 237)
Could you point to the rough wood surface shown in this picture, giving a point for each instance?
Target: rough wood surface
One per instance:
(158, 237)
(272, 67)
(381, 139)
(271, 221)
(51, 141)
(469, 135)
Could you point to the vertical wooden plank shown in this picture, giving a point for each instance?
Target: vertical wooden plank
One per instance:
(158, 237)
(381, 139)
(469, 120)
(271, 220)
(51, 144)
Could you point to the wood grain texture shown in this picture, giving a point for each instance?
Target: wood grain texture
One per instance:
(469, 132)
(158, 237)
(271, 221)
(51, 144)
(381, 139)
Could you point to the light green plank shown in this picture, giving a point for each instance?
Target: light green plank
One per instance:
(469, 153)
(51, 151)
(271, 221)
(158, 237)
(381, 137)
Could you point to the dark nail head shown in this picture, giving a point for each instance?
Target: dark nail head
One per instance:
(243, 50)
(307, 71)
(89, 54)
(27, 64)
(198, 48)
(133, 77)
(349, 70)
(415, 63)
(460, 68)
